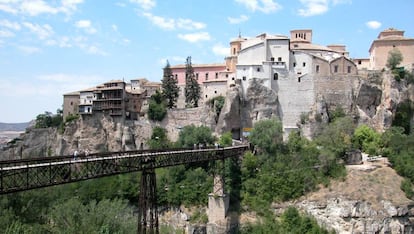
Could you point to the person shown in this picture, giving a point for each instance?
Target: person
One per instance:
(75, 154)
(86, 153)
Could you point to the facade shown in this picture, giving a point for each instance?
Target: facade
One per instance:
(115, 98)
(291, 67)
(70, 104)
(388, 40)
(212, 79)
(362, 63)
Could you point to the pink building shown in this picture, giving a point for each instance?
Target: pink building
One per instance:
(212, 79)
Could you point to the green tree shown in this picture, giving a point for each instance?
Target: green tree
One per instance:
(394, 58)
(267, 135)
(367, 139)
(191, 135)
(159, 139)
(226, 139)
(192, 88)
(170, 88)
(403, 115)
(157, 109)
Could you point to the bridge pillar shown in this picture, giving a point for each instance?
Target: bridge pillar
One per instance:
(218, 201)
(148, 212)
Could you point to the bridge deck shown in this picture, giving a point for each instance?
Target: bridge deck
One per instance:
(19, 175)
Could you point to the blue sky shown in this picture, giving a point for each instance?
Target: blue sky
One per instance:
(51, 47)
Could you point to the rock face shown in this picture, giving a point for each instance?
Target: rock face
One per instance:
(102, 133)
(368, 200)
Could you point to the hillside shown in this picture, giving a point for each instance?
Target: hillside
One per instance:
(369, 200)
(15, 127)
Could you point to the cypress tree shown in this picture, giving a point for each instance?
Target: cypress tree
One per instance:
(192, 88)
(169, 87)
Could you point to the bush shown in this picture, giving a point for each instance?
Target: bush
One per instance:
(407, 187)
(157, 109)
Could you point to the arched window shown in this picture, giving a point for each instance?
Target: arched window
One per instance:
(275, 76)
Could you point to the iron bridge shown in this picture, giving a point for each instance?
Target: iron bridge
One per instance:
(26, 174)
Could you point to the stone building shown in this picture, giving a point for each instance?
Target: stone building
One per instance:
(291, 68)
(115, 98)
(212, 79)
(388, 40)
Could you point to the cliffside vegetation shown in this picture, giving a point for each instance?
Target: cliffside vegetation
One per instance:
(278, 171)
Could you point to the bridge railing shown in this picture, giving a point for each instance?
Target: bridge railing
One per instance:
(25, 174)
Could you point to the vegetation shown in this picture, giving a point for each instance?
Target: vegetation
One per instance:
(192, 88)
(170, 88)
(403, 116)
(157, 108)
(48, 119)
(367, 139)
(191, 135)
(394, 59)
(159, 139)
(216, 104)
(290, 222)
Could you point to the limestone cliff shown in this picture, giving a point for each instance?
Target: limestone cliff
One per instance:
(102, 133)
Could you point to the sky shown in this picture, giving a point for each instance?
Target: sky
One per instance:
(52, 47)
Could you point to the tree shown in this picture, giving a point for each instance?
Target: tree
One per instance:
(367, 139)
(191, 135)
(170, 88)
(394, 59)
(159, 139)
(192, 88)
(267, 135)
(157, 109)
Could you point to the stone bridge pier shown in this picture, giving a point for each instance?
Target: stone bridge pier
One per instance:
(218, 205)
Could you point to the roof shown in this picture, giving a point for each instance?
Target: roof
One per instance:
(200, 65)
(76, 93)
(308, 46)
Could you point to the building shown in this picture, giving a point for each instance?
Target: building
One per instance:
(388, 40)
(292, 68)
(212, 79)
(115, 98)
(70, 103)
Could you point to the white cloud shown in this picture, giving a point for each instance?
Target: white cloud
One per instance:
(195, 37)
(373, 24)
(189, 24)
(9, 24)
(265, 6)
(221, 50)
(313, 7)
(114, 27)
(63, 42)
(167, 24)
(145, 4)
(29, 49)
(240, 19)
(8, 8)
(37, 7)
(172, 24)
(6, 33)
(42, 31)
(86, 25)
(95, 50)
(318, 7)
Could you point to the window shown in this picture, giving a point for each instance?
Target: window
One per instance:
(216, 75)
(294, 64)
(258, 69)
(349, 69)
(299, 79)
(359, 62)
(272, 59)
(71, 103)
(232, 78)
(227, 75)
(244, 78)
(175, 76)
(234, 51)
(215, 91)
(336, 68)
(207, 76)
(279, 59)
(206, 95)
(304, 64)
(317, 68)
(197, 76)
(275, 76)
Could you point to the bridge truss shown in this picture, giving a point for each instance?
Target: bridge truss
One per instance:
(26, 174)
